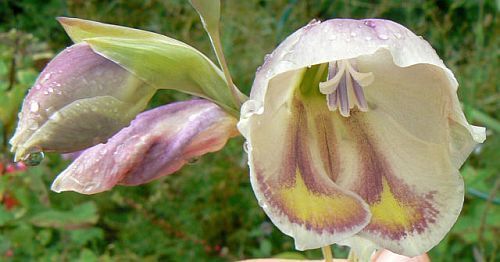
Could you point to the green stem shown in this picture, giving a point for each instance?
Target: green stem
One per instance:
(219, 53)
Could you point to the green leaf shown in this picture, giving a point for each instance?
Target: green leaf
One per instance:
(209, 11)
(5, 216)
(160, 61)
(84, 236)
(10, 102)
(87, 256)
(79, 30)
(80, 216)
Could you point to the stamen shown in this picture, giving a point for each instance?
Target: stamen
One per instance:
(344, 87)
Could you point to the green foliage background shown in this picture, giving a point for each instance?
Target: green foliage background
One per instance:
(207, 211)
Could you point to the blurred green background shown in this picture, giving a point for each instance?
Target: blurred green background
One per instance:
(207, 211)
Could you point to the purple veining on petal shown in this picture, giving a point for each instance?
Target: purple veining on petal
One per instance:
(157, 143)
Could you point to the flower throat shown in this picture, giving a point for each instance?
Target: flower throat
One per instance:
(343, 85)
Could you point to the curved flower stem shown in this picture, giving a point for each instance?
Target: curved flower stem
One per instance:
(215, 37)
(327, 253)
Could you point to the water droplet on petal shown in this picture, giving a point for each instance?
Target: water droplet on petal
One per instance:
(313, 22)
(46, 78)
(49, 110)
(33, 125)
(368, 38)
(251, 107)
(50, 89)
(353, 34)
(262, 204)
(34, 106)
(89, 187)
(193, 160)
(34, 159)
(370, 23)
(246, 146)
(383, 36)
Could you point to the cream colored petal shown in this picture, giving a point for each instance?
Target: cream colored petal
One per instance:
(292, 171)
(339, 39)
(414, 192)
(420, 98)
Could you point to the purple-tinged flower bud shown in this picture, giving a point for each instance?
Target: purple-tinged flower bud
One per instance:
(157, 143)
(79, 100)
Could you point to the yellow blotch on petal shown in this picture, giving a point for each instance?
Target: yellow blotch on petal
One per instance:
(391, 213)
(320, 211)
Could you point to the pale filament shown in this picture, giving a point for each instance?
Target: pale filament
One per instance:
(344, 87)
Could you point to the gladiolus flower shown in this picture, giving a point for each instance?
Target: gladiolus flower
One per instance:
(355, 136)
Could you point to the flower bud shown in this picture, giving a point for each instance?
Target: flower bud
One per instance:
(157, 143)
(79, 100)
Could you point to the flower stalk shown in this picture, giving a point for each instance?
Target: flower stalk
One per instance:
(209, 12)
(327, 253)
(215, 39)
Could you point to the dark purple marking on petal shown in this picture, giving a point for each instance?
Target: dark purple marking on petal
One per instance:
(297, 163)
(326, 143)
(375, 169)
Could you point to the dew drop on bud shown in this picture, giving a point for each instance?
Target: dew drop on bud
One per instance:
(193, 160)
(245, 146)
(34, 159)
(34, 106)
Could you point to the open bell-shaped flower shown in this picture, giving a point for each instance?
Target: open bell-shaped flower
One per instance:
(355, 136)
(80, 99)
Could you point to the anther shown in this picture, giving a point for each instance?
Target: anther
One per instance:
(344, 87)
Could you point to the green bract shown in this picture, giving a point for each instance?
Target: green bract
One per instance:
(171, 64)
